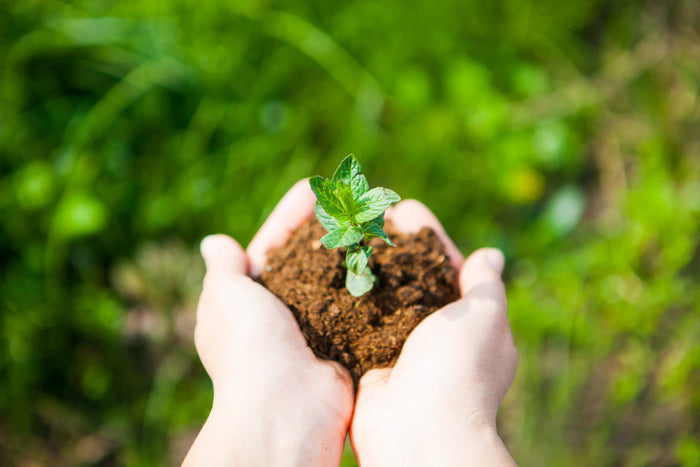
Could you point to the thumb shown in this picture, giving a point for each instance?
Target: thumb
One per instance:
(482, 266)
(237, 309)
(223, 256)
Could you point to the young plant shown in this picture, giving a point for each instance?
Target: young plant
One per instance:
(352, 214)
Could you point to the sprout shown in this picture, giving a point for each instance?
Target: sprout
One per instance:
(352, 214)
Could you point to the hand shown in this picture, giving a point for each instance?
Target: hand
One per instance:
(438, 405)
(275, 403)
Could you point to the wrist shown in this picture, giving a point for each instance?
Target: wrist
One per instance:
(433, 443)
(280, 432)
(241, 431)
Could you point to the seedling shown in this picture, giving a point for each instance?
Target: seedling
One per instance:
(352, 214)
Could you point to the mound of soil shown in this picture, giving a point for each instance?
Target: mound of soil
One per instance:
(362, 333)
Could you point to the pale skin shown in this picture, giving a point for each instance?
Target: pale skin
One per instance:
(276, 404)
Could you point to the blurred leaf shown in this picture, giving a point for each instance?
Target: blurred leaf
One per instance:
(526, 185)
(34, 185)
(80, 214)
(468, 84)
(550, 143)
(413, 89)
(529, 80)
(564, 210)
(688, 451)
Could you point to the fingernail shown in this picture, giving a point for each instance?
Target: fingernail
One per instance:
(496, 259)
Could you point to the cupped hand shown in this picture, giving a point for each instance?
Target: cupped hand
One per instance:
(438, 405)
(275, 403)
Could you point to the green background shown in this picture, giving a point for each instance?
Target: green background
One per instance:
(565, 133)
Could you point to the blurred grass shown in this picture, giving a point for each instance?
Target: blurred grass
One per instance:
(565, 133)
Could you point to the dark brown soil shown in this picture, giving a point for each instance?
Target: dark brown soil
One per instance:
(415, 279)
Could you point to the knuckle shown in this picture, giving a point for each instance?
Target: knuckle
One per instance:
(201, 311)
(198, 331)
(489, 301)
(212, 282)
(488, 306)
(222, 288)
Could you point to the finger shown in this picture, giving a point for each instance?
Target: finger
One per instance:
(224, 258)
(223, 255)
(482, 266)
(295, 207)
(410, 216)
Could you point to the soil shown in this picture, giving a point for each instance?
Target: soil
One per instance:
(415, 279)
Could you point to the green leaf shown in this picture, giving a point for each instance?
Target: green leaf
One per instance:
(323, 188)
(359, 284)
(327, 221)
(375, 229)
(347, 168)
(344, 195)
(80, 214)
(350, 172)
(359, 186)
(379, 221)
(343, 236)
(358, 258)
(373, 204)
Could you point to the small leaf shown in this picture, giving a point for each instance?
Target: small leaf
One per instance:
(346, 169)
(350, 172)
(344, 236)
(359, 284)
(373, 204)
(375, 229)
(358, 258)
(327, 221)
(359, 186)
(378, 221)
(344, 195)
(323, 188)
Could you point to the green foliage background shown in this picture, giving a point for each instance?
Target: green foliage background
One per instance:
(565, 133)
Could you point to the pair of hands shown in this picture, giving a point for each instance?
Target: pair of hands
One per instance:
(276, 403)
